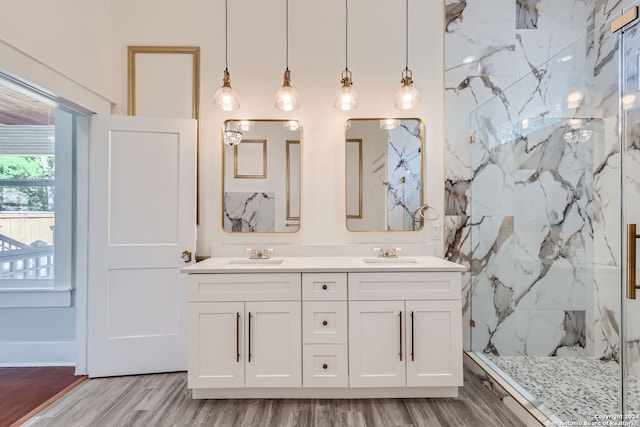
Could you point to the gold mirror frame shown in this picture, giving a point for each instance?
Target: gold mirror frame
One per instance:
(286, 168)
(421, 149)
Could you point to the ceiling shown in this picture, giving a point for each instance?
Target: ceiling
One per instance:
(17, 108)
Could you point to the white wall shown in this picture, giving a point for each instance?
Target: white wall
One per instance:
(316, 59)
(37, 336)
(72, 37)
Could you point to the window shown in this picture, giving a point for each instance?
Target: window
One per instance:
(36, 175)
(27, 202)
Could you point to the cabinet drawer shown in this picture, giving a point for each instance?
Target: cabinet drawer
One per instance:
(244, 287)
(324, 286)
(324, 322)
(325, 365)
(404, 286)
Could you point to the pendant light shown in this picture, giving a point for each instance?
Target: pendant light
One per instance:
(287, 98)
(226, 98)
(407, 96)
(232, 133)
(346, 98)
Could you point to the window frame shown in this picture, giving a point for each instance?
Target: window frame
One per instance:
(56, 292)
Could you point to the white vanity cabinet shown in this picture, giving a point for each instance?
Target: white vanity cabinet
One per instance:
(244, 338)
(405, 329)
(321, 329)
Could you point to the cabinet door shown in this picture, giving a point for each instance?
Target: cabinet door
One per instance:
(274, 344)
(376, 344)
(215, 344)
(434, 343)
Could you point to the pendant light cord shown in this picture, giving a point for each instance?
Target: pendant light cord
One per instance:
(406, 67)
(226, 35)
(287, 36)
(346, 34)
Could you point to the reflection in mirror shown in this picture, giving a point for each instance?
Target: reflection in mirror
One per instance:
(261, 177)
(384, 174)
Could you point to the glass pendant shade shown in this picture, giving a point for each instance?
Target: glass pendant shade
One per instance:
(346, 98)
(577, 135)
(226, 98)
(287, 98)
(292, 125)
(407, 96)
(388, 124)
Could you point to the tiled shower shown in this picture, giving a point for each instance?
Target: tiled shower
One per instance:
(534, 200)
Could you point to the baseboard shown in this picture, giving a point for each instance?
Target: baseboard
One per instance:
(55, 353)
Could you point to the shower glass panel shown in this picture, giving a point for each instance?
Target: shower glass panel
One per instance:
(546, 234)
(629, 41)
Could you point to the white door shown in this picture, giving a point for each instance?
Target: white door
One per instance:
(274, 344)
(434, 343)
(376, 344)
(142, 201)
(216, 356)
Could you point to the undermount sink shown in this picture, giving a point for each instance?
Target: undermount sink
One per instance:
(259, 261)
(390, 260)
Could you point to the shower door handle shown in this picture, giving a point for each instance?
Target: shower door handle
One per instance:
(632, 236)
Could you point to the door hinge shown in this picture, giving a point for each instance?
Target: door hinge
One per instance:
(472, 139)
(472, 323)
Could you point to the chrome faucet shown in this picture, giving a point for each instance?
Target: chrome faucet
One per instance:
(259, 253)
(387, 252)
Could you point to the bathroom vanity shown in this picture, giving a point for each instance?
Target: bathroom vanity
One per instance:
(324, 327)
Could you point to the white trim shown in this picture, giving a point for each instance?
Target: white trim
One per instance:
(24, 298)
(19, 63)
(55, 353)
(46, 292)
(63, 230)
(81, 244)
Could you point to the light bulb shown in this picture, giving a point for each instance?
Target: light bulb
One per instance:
(407, 96)
(346, 98)
(287, 98)
(226, 98)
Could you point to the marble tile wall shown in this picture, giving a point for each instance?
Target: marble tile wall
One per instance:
(525, 209)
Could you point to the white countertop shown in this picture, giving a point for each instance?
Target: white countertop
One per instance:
(309, 264)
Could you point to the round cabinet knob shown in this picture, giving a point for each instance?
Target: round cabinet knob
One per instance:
(325, 366)
(324, 287)
(325, 323)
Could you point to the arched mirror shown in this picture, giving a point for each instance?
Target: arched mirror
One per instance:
(384, 174)
(261, 176)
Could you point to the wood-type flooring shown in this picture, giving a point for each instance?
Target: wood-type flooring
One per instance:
(164, 400)
(25, 391)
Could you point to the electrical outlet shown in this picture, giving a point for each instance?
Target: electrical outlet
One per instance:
(436, 232)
